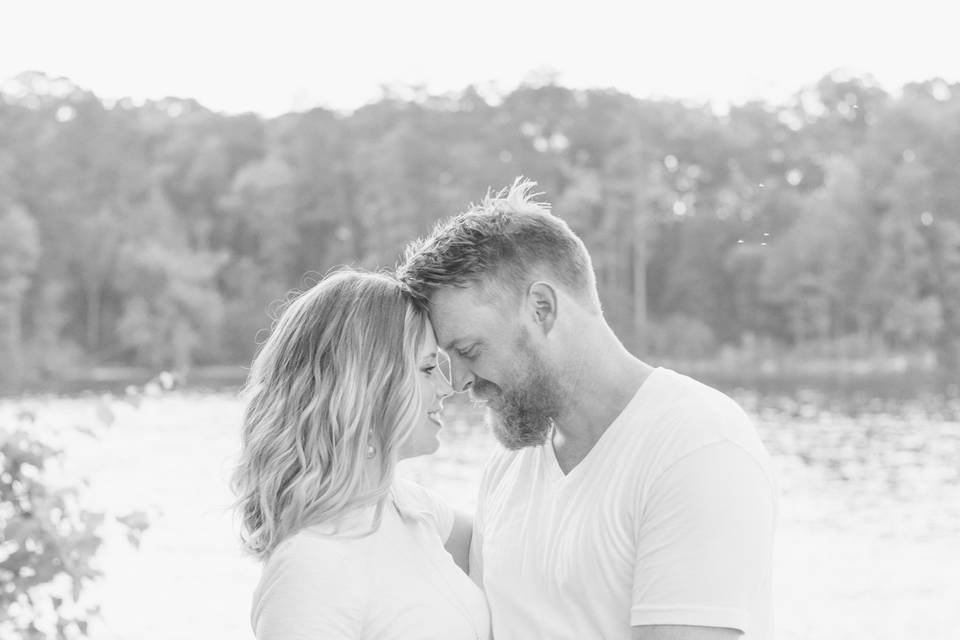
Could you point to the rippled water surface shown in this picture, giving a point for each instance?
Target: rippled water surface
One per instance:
(868, 542)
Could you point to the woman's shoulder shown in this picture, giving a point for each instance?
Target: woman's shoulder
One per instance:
(409, 493)
(306, 560)
(310, 584)
(421, 504)
(311, 548)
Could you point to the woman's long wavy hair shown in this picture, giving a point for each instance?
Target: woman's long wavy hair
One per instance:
(336, 375)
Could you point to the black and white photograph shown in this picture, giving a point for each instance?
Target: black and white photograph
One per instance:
(479, 321)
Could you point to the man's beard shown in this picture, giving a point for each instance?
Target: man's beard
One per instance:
(524, 415)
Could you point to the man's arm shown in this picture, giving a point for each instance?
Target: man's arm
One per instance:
(682, 632)
(703, 545)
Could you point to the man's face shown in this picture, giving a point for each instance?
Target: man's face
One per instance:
(493, 355)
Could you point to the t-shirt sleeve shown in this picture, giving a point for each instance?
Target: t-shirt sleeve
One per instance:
(704, 541)
(307, 592)
(427, 504)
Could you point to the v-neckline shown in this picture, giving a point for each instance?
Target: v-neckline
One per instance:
(556, 473)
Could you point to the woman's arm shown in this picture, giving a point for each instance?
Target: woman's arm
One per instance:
(458, 543)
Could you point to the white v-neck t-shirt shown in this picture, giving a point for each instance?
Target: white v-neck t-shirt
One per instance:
(668, 520)
(399, 583)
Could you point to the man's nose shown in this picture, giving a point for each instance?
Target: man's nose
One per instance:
(460, 376)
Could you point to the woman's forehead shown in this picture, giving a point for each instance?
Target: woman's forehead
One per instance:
(429, 342)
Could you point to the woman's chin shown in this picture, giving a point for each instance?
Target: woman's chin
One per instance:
(422, 449)
(431, 448)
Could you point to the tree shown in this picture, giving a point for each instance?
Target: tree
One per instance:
(912, 162)
(168, 229)
(19, 252)
(815, 270)
(172, 309)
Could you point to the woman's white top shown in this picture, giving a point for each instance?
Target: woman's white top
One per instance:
(328, 582)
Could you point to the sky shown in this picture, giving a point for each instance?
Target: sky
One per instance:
(277, 56)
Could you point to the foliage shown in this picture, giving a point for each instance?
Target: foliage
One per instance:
(47, 546)
(683, 337)
(167, 229)
(19, 253)
(48, 538)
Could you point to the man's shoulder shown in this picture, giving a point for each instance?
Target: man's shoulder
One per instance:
(687, 403)
(702, 415)
(676, 415)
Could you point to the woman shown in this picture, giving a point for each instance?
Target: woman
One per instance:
(345, 386)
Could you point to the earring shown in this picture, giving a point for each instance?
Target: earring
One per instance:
(371, 451)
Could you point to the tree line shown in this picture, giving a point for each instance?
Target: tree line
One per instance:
(158, 234)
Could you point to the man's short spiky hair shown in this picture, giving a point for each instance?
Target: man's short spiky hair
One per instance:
(503, 240)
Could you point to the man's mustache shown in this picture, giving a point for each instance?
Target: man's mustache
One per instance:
(484, 389)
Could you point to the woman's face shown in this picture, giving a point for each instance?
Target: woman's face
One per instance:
(433, 388)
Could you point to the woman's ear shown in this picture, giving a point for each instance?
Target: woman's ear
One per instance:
(542, 305)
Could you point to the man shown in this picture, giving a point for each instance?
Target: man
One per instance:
(629, 501)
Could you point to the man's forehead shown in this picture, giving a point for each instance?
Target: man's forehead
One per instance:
(458, 314)
(444, 296)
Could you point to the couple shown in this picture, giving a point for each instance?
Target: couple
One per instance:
(628, 501)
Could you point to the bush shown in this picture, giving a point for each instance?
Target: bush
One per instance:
(48, 542)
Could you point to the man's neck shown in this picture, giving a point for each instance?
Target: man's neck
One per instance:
(606, 385)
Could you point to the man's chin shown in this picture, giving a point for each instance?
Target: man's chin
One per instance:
(515, 437)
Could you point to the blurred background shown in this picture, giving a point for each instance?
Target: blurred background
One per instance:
(771, 199)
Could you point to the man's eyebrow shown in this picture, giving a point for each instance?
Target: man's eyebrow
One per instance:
(453, 344)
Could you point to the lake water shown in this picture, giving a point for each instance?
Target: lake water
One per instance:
(868, 543)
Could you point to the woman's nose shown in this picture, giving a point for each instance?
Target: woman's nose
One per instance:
(443, 387)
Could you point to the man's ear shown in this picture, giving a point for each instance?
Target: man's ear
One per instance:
(542, 305)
